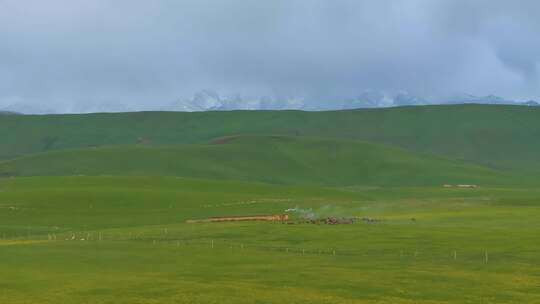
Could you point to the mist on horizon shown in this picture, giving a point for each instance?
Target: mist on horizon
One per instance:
(84, 56)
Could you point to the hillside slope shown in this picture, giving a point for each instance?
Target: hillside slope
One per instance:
(497, 136)
(271, 159)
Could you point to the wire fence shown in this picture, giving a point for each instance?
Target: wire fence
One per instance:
(405, 253)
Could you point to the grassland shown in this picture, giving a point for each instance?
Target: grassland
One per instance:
(496, 136)
(270, 159)
(93, 208)
(124, 240)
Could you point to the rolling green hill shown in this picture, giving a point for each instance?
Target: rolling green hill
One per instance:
(271, 159)
(496, 136)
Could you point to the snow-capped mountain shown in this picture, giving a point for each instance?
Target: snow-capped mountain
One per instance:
(406, 99)
(211, 101)
(208, 100)
(368, 99)
(467, 98)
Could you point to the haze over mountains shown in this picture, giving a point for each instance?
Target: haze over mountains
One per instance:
(210, 100)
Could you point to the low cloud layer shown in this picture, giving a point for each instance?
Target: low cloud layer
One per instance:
(73, 54)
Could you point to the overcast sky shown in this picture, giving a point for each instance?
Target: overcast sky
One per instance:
(144, 53)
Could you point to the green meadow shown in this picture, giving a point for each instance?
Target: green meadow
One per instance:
(269, 159)
(93, 208)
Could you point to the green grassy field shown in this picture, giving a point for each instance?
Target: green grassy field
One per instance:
(93, 208)
(124, 240)
(270, 159)
(497, 136)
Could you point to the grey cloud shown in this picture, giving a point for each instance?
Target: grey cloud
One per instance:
(144, 54)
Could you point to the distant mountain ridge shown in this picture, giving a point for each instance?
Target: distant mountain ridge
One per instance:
(212, 101)
(208, 100)
(9, 113)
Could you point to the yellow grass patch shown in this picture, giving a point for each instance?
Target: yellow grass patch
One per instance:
(21, 242)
